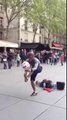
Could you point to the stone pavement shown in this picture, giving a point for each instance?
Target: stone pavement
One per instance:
(16, 102)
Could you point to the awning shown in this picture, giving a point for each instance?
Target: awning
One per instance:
(28, 45)
(57, 45)
(8, 44)
(56, 48)
(35, 46)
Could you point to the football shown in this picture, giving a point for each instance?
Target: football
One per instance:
(26, 65)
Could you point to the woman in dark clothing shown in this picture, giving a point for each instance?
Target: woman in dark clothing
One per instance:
(9, 59)
(5, 59)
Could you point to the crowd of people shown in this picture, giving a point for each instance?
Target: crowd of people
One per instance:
(8, 58)
(51, 57)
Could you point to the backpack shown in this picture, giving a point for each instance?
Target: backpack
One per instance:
(60, 85)
(49, 84)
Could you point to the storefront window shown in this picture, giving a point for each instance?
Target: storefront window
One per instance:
(25, 24)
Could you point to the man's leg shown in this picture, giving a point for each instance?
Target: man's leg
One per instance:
(33, 76)
(33, 86)
(5, 65)
(25, 77)
(34, 89)
(62, 63)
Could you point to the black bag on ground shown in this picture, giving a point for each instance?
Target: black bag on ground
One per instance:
(49, 84)
(41, 84)
(60, 85)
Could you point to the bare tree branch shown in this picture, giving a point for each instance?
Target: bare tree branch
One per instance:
(5, 7)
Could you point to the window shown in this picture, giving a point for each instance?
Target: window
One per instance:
(1, 8)
(25, 24)
(0, 35)
(26, 40)
(45, 41)
(40, 39)
(40, 29)
(0, 21)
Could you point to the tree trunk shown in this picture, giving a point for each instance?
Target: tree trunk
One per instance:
(35, 30)
(34, 36)
(7, 31)
(6, 35)
(19, 30)
(49, 37)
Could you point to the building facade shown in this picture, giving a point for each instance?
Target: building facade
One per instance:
(1, 22)
(21, 30)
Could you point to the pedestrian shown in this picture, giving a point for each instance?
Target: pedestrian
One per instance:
(62, 59)
(18, 60)
(52, 59)
(55, 59)
(23, 55)
(35, 69)
(5, 59)
(9, 59)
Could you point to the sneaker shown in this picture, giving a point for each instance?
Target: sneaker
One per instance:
(33, 94)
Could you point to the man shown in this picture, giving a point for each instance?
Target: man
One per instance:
(9, 59)
(23, 55)
(18, 60)
(5, 59)
(35, 69)
(62, 59)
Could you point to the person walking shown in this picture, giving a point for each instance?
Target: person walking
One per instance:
(5, 59)
(62, 59)
(23, 55)
(18, 60)
(35, 69)
(9, 59)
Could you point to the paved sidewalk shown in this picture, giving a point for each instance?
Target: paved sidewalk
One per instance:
(16, 102)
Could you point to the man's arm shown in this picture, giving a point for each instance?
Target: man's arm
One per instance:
(35, 66)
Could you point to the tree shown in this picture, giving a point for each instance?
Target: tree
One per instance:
(48, 13)
(12, 9)
(34, 13)
(56, 17)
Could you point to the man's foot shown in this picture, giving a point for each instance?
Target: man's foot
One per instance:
(26, 80)
(34, 94)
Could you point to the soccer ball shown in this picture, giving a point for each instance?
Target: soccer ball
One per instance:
(26, 65)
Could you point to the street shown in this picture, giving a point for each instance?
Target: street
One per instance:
(16, 102)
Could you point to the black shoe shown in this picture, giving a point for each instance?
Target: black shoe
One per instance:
(33, 94)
